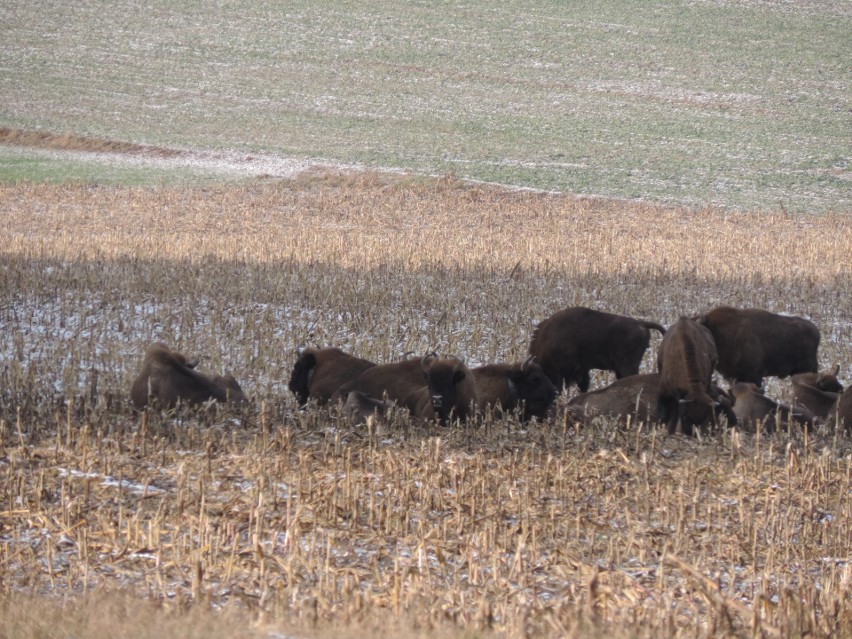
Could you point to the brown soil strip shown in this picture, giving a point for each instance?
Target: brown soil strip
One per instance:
(71, 142)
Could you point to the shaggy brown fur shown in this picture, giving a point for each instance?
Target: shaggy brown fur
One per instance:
(840, 416)
(818, 392)
(359, 407)
(634, 396)
(751, 406)
(753, 343)
(319, 372)
(450, 392)
(395, 381)
(570, 343)
(504, 387)
(168, 377)
(686, 360)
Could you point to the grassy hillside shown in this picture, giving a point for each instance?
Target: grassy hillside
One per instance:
(729, 103)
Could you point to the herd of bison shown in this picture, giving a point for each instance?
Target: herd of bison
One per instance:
(743, 345)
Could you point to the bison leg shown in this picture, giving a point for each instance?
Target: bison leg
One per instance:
(583, 381)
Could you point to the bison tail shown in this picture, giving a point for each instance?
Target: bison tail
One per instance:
(655, 326)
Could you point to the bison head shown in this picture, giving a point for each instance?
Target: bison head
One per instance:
(529, 384)
(828, 381)
(449, 385)
(300, 378)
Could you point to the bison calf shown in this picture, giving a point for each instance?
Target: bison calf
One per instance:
(168, 377)
(571, 342)
(751, 406)
(818, 392)
(319, 372)
(360, 407)
(504, 387)
(753, 343)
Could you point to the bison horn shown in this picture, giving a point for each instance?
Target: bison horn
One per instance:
(299, 350)
(529, 360)
(837, 370)
(427, 360)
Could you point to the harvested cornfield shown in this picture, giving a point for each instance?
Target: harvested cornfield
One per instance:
(262, 519)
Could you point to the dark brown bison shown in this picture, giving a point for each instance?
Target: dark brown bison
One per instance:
(319, 372)
(450, 392)
(570, 343)
(504, 387)
(394, 381)
(634, 396)
(751, 406)
(753, 343)
(840, 416)
(168, 377)
(818, 392)
(686, 359)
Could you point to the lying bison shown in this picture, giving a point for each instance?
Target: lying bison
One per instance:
(840, 416)
(450, 392)
(686, 359)
(504, 387)
(168, 377)
(571, 342)
(394, 381)
(818, 392)
(753, 343)
(752, 406)
(319, 372)
(359, 407)
(634, 396)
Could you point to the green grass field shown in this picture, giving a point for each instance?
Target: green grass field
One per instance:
(737, 104)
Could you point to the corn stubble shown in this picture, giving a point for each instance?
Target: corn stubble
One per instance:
(265, 518)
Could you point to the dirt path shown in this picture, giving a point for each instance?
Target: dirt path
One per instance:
(72, 147)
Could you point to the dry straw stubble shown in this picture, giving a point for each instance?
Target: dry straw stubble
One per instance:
(297, 518)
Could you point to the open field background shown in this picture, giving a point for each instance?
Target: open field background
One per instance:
(268, 522)
(146, 157)
(737, 104)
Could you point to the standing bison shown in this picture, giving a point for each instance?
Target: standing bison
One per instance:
(753, 343)
(686, 359)
(571, 342)
(504, 387)
(168, 377)
(319, 372)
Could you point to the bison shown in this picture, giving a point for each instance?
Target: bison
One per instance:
(394, 381)
(634, 396)
(319, 372)
(506, 386)
(840, 416)
(753, 343)
(686, 359)
(818, 392)
(360, 407)
(450, 391)
(571, 342)
(168, 377)
(751, 405)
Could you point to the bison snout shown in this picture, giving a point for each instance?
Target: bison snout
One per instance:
(437, 401)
